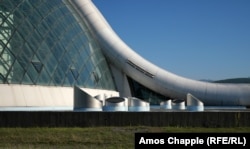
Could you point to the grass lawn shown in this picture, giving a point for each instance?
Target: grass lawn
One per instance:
(87, 137)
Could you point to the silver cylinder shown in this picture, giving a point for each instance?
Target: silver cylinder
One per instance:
(135, 104)
(115, 104)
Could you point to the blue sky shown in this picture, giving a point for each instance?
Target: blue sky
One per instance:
(197, 39)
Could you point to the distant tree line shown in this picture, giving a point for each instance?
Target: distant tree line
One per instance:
(234, 80)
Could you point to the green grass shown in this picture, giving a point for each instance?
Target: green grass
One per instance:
(89, 137)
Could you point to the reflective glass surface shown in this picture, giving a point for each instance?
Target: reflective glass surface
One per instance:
(144, 93)
(42, 43)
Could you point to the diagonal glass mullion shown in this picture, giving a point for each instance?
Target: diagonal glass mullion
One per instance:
(7, 33)
(18, 17)
(3, 65)
(44, 77)
(43, 51)
(18, 72)
(51, 63)
(6, 5)
(16, 43)
(8, 57)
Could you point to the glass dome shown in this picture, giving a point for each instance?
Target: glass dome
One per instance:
(42, 42)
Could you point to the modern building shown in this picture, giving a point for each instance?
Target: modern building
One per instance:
(48, 48)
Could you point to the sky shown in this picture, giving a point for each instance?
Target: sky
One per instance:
(196, 39)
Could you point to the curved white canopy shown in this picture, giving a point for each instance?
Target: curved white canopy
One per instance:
(150, 75)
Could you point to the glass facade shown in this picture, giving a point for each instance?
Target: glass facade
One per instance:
(42, 43)
(145, 93)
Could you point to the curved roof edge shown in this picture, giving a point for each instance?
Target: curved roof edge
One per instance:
(152, 76)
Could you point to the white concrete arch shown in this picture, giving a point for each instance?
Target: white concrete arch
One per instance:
(152, 76)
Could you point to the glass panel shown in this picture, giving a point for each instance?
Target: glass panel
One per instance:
(43, 9)
(89, 82)
(17, 43)
(49, 20)
(44, 78)
(43, 51)
(74, 72)
(64, 41)
(59, 28)
(26, 8)
(33, 74)
(51, 63)
(64, 63)
(64, 11)
(6, 6)
(3, 70)
(2, 78)
(71, 52)
(89, 67)
(66, 82)
(70, 79)
(50, 66)
(24, 29)
(18, 17)
(35, 18)
(83, 76)
(34, 40)
(27, 80)
(94, 59)
(23, 61)
(25, 56)
(58, 76)
(57, 14)
(70, 35)
(83, 55)
(78, 62)
(58, 51)
(50, 39)
(18, 73)
(37, 3)
(8, 59)
(37, 65)
(43, 28)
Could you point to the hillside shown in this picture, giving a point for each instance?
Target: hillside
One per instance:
(234, 80)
